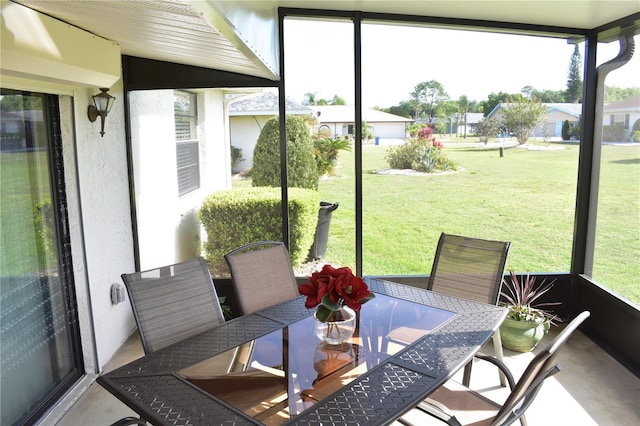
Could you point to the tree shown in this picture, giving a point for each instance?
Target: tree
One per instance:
(413, 106)
(441, 126)
(549, 96)
(427, 95)
(527, 91)
(494, 99)
(574, 80)
(614, 94)
(463, 104)
(447, 110)
(521, 116)
(401, 110)
(20, 103)
(311, 98)
(337, 100)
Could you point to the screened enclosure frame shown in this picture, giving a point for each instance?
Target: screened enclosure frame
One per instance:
(577, 290)
(620, 311)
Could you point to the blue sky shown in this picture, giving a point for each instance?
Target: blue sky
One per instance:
(320, 59)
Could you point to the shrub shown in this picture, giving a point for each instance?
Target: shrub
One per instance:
(613, 133)
(635, 135)
(425, 133)
(327, 151)
(489, 128)
(576, 129)
(566, 130)
(301, 162)
(236, 217)
(414, 128)
(236, 158)
(367, 131)
(420, 154)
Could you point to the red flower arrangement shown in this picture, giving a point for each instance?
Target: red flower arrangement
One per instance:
(332, 288)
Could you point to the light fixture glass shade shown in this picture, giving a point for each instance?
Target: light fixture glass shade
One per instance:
(103, 101)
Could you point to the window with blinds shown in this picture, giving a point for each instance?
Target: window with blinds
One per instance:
(187, 145)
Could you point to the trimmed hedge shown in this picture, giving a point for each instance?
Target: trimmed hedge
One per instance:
(613, 133)
(301, 161)
(233, 218)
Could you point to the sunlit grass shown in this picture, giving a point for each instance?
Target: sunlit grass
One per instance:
(527, 197)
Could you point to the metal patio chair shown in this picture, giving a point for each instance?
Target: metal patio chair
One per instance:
(456, 404)
(173, 302)
(262, 275)
(470, 268)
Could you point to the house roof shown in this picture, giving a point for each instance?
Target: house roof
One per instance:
(264, 103)
(629, 104)
(474, 117)
(346, 114)
(241, 36)
(571, 109)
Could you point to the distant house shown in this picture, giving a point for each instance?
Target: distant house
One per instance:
(339, 120)
(249, 113)
(551, 126)
(13, 125)
(471, 123)
(625, 112)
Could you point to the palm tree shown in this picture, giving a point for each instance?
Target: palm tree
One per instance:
(310, 98)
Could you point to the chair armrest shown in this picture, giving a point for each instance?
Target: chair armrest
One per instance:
(439, 411)
(129, 421)
(501, 366)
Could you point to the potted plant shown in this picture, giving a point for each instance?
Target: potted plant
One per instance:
(526, 322)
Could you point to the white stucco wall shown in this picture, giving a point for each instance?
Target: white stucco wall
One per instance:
(245, 131)
(610, 117)
(168, 231)
(105, 221)
(96, 179)
(389, 130)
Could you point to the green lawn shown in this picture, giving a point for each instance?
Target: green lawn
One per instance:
(24, 180)
(526, 197)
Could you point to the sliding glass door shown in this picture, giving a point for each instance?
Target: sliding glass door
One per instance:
(39, 347)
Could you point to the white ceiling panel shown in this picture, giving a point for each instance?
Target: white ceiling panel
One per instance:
(166, 30)
(174, 31)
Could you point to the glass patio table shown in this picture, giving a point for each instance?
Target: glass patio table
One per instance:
(270, 368)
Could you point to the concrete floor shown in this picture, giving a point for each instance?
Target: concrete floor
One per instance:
(592, 388)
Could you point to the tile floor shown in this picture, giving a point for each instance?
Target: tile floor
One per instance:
(592, 388)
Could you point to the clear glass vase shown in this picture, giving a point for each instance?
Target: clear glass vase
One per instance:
(338, 328)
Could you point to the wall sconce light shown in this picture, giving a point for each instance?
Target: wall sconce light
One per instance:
(102, 103)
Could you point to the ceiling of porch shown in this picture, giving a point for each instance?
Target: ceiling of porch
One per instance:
(209, 34)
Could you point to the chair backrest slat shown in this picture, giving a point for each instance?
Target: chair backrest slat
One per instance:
(262, 275)
(173, 302)
(471, 268)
